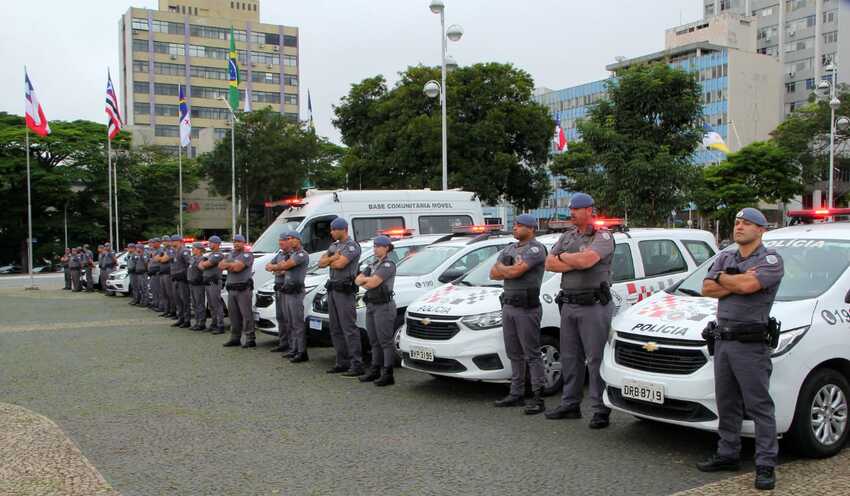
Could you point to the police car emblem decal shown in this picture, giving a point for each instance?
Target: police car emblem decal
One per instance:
(606, 235)
(771, 259)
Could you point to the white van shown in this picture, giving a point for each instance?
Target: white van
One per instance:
(656, 364)
(456, 330)
(367, 212)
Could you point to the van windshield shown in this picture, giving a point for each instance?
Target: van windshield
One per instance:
(425, 261)
(267, 242)
(811, 267)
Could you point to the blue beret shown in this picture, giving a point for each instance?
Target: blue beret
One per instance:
(198, 244)
(215, 239)
(339, 223)
(581, 200)
(293, 234)
(176, 237)
(752, 215)
(107, 245)
(527, 220)
(154, 240)
(239, 237)
(382, 241)
(283, 236)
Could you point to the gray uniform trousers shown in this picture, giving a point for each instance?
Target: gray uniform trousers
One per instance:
(213, 295)
(584, 331)
(241, 314)
(167, 292)
(199, 304)
(154, 289)
(284, 330)
(345, 335)
(136, 283)
(742, 380)
(68, 277)
(294, 308)
(89, 279)
(380, 326)
(181, 300)
(145, 288)
(104, 275)
(521, 332)
(76, 282)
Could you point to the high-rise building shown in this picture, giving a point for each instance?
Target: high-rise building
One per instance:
(187, 42)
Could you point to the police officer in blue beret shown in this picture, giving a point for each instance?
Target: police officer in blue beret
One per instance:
(212, 284)
(239, 266)
(153, 275)
(583, 256)
(745, 282)
(378, 279)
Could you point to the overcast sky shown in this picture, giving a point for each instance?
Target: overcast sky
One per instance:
(68, 44)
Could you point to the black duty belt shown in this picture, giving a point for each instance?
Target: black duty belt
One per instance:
(528, 298)
(288, 288)
(239, 286)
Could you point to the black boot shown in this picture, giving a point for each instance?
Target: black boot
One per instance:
(765, 478)
(563, 412)
(250, 344)
(336, 369)
(370, 375)
(179, 323)
(600, 421)
(232, 342)
(509, 400)
(186, 324)
(386, 378)
(536, 404)
(300, 357)
(280, 349)
(717, 463)
(353, 372)
(217, 330)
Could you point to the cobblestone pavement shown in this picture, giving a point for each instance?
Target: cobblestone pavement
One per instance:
(165, 411)
(37, 459)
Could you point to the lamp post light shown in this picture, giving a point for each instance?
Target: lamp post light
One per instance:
(232, 167)
(842, 123)
(432, 88)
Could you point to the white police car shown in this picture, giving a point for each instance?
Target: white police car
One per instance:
(456, 330)
(656, 364)
(449, 257)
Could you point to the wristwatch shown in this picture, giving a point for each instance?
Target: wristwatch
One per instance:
(717, 277)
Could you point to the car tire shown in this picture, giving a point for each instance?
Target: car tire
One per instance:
(550, 349)
(829, 388)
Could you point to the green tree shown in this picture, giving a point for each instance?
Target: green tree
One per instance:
(635, 151)
(761, 171)
(274, 157)
(498, 138)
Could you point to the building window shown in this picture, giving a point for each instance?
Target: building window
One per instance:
(290, 60)
(792, 5)
(793, 27)
(210, 113)
(709, 10)
(831, 37)
(166, 131)
(829, 16)
(791, 87)
(290, 99)
(220, 133)
(208, 92)
(767, 33)
(798, 45)
(290, 80)
(810, 84)
(265, 58)
(291, 41)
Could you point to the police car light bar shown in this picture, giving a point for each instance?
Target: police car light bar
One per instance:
(477, 229)
(610, 222)
(287, 202)
(189, 240)
(395, 232)
(818, 213)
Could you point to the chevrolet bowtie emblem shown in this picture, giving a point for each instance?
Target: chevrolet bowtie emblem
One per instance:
(426, 321)
(650, 346)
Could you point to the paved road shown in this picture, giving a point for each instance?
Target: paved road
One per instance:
(164, 411)
(53, 280)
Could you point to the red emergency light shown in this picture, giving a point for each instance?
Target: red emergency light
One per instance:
(610, 222)
(395, 232)
(818, 213)
(189, 240)
(477, 229)
(294, 202)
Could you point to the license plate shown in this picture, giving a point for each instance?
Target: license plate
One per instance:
(420, 353)
(315, 324)
(643, 391)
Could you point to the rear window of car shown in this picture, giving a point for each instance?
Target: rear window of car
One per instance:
(438, 224)
(700, 250)
(661, 256)
(623, 265)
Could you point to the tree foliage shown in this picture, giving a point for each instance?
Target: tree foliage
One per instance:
(635, 151)
(498, 138)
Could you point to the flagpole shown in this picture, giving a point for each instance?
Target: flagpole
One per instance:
(109, 185)
(115, 186)
(29, 217)
(180, 186)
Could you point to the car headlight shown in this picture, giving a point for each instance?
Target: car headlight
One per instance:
(788, 339)
(482, 321)
(360, 301)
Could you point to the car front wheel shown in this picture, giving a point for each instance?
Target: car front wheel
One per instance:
(820, 426)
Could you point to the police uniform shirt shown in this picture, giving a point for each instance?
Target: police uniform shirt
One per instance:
(193, 271)
(751, 308)
(385, 269)
(180, 260)
(152, 252)
(349, 249)
(574, 241)
(76, 261)
(213, 272)
(533, 253)
(296, 274)
(89, 256)
(108, 260)
(280, 256)
(245, 274)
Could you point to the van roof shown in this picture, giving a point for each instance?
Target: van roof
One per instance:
(394, 199)
(831, 230)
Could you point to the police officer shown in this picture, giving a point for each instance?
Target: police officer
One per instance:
(745, 282)
(275, 266)
(141, 288)
(64, 261)
(130, 261)
(378, 280)
(195, 275)
(239, 266)
(100, 266)
(145, 298)
(583, 256)
(289, 295)
(88, 268)
(521, 266)
(75, 265)
(212, 284)
(180, 261)
(109, 263)
(165, 254)
(153, 275)
(343, 258)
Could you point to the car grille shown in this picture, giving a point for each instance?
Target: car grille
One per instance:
(265, 300)
(687, 411)
(438, 330)
(438, 365)
(660, 340)
(663, 360)
(320, 303)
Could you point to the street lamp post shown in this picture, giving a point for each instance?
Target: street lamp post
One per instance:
(232, 166)
(842, 122)
(454, 33)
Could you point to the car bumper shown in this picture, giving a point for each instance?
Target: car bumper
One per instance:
(118, 286)
(462, 356)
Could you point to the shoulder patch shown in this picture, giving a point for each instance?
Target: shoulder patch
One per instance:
(606, 235)
(246, 256)
(771, 259)
(535, 249)
(351, 248)
(387, 264)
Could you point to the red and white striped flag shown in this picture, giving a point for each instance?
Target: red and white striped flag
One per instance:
(114, 125)
(35, 117)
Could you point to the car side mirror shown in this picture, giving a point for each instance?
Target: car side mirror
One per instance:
(450, 275)
(847, 297)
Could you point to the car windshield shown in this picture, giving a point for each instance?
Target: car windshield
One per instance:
(425, 261)
(267, 242)
(811, 267)
(480, 275)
